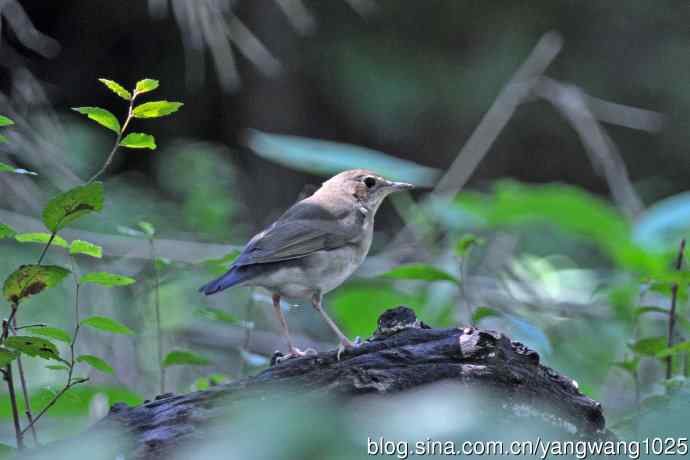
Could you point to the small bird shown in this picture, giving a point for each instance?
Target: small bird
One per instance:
(313, 247)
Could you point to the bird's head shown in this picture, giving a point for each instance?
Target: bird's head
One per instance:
(365, 186)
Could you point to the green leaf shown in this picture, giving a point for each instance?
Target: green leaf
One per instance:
(484, 312)
(219, 266)
(420, 272)
(183, 357)
(6, 231)
(116, 88)
(7, 168)
(86, 248)
(96, 363)
(649, 346)
(147, 227)
(4, 121)
(156, 109)
(107, 279)
(217, 314)
(649, 309)
(40, 237)
(73, 204)
(6, 356)
(100, 116)
(33, 346)
(51, 332)
(139, 141)
(146, 85)
(3, 139)
(466, 242)
(57, 367)
(29, 280)
(629, 365)
(106, 324)
(305, 154)
(674, 350)
(7, 452)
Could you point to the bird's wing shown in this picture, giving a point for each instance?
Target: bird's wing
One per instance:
(303, 229)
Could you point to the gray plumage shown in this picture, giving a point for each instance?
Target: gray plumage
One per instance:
(315, 245)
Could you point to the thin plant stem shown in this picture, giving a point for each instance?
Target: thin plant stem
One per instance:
(19, 434)
(463, 273)
(118, 138)
(45, 248)
(672, 311)
(157, 307)
(25, 392)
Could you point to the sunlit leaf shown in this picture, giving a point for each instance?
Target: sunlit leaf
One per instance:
(6, 356)
(101, 116)
(73, 204)
(422, 272)
(6, 231)
(306, 154)
(96, 363)
(183, 357)
(33, 346)
(4, 121)
(40, 237)
(217, 314)
(484, 312)
(649, 346)
(29, 280)
(139, 141)
(116, 88)
(156, 109)
(3, 138)
(107, 279)
(86, 248)
(103, 323)
(147, 227)
(466, 242)
(572, 210)
(146, 85)
(7, 168)
(51, 332)
(674, 350)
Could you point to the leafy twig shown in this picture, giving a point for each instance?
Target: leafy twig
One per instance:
(118, 138)
(72, 362)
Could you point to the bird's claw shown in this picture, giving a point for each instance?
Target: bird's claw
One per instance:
(347, 345)
(279, 357)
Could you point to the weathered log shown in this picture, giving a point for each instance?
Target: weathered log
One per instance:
(402, 354)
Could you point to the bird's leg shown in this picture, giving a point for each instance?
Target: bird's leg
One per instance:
(344, 341)
(293, 351)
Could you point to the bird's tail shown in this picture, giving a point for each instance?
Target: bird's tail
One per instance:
(233, 277)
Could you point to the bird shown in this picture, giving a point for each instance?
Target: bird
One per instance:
(313, 247)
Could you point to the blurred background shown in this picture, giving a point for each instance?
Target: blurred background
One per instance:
(490, 100)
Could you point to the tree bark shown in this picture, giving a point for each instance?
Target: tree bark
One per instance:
(402, 354)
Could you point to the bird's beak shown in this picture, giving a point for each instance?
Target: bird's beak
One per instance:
(400, 186)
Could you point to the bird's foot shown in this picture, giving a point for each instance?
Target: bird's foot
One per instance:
(347, 345)
(279, 357)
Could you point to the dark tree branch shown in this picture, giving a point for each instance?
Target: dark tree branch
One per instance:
(402, 354)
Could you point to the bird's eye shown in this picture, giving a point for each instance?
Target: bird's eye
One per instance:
(369, 182)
